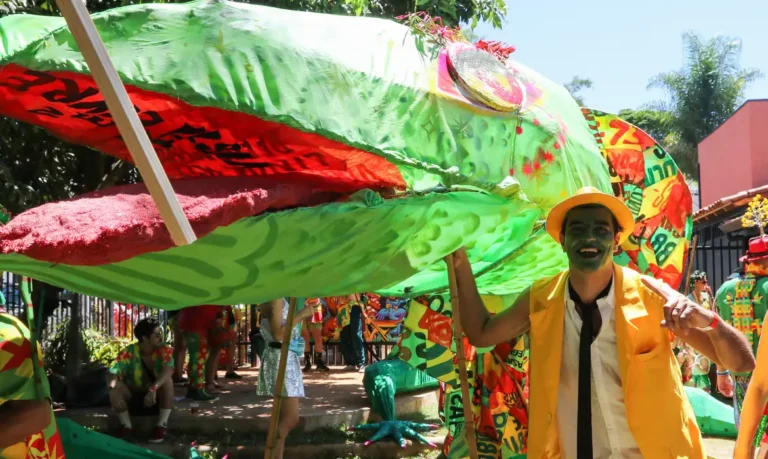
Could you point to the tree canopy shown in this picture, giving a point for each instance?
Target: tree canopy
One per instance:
(702, 94)
(576, 85)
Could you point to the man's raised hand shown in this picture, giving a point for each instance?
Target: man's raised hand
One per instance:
(680, 313)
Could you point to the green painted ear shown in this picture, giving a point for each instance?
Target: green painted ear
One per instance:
(5, 216)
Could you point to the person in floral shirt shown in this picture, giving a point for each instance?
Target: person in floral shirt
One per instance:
(141, 380)
(27, 425)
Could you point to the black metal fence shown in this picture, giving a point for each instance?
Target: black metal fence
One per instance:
(111, 319)
(718, 253)
(117, 320)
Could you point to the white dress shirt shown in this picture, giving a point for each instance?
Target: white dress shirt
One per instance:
(611, 437)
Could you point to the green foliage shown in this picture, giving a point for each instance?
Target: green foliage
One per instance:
(99, 349)
(576, 85)
(656, 123)
(36, 167)
(702, 94)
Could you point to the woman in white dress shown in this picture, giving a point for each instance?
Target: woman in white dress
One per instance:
(274, 316)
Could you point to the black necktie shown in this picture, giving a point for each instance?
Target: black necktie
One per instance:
(584, 425)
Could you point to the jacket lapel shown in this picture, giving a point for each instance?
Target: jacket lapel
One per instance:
(547, 323)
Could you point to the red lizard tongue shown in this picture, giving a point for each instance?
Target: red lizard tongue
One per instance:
(123, 222)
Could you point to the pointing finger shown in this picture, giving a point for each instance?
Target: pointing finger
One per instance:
(660, 287)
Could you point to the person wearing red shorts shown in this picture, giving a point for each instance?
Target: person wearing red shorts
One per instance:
(314, 325)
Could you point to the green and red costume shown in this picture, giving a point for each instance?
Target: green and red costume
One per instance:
(197, 324)
(743, 303)
(17, 382)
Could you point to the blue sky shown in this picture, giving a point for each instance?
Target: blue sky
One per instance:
(621, 45)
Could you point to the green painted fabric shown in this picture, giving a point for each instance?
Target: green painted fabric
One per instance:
(713, 416)
(364, 82)
(82, 443)
(316, 252)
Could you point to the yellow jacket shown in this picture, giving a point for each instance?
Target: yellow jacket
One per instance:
(658, 412)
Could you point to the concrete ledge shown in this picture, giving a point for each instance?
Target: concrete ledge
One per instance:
(381, 450)
(212, 419)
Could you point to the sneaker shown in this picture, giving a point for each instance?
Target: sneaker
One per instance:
(232, 375)
(361, 369)
(124, 433)
(201, 395)
(321, 366)
(158, 434)
(179, 380)
(350, 368)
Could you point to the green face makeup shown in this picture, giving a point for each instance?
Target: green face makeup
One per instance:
(588, 238)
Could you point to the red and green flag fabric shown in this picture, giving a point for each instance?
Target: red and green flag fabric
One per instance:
(17, 382)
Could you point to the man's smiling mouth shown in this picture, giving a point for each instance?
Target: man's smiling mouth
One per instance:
(589, 252)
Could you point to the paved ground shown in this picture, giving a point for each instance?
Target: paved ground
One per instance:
(719, 448)
(333, 399)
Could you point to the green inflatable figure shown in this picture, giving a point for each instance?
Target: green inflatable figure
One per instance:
(382, 381)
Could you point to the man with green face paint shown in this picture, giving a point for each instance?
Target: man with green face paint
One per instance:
(608, 386)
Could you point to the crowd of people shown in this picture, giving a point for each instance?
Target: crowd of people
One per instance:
(143, 377)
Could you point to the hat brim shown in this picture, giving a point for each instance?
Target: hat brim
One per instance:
(751, 258)
(614, 205)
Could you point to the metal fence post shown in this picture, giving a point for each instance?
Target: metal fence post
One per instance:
(111, 319)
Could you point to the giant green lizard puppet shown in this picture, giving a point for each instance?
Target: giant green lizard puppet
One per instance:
(318, 155)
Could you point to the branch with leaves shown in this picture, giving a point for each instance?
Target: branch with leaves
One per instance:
(756, 214)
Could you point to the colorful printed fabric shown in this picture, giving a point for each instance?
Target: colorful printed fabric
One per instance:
(17, 382)
(198, 348)
(740, 385)
(653, 187)
(129, 369)
(497, 378)
(743, 303)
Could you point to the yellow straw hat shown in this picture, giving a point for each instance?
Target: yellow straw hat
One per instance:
(591, 195)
